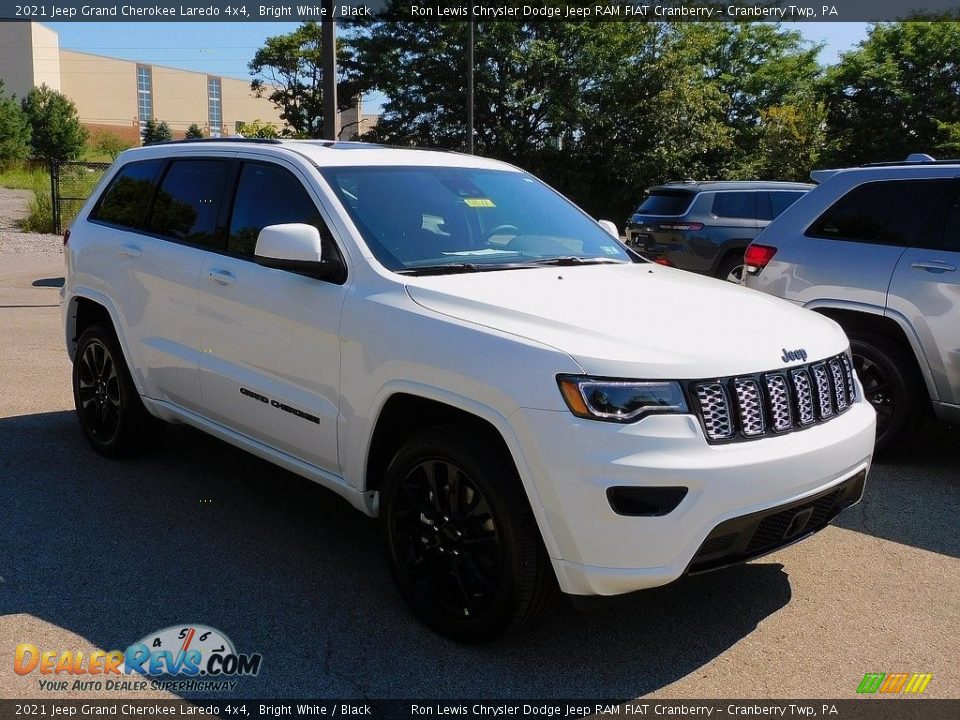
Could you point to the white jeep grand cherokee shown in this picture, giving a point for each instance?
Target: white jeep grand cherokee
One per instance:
(451, 345)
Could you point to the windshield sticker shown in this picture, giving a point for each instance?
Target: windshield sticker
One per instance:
(610, 249)
(479, 202)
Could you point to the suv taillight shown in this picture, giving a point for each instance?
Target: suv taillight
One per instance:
(757, 256)
(66, 237)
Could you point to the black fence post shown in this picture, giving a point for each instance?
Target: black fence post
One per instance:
(54, 195)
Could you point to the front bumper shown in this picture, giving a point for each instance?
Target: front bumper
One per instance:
(595, 551)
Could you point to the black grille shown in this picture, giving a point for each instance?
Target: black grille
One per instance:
(746, 407)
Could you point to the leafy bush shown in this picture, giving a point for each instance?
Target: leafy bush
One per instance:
(194, 132)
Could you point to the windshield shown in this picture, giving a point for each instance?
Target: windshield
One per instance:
(421, 220)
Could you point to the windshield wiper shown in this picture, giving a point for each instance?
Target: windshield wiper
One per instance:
(445, 269)
(575, 260)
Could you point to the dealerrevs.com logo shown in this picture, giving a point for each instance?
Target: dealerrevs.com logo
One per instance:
(200, 658)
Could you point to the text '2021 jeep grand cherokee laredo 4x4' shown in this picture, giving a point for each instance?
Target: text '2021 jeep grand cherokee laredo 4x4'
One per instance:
(449, 344)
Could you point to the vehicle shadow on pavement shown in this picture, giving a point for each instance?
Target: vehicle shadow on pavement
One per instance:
(199, 532)
(913, 496)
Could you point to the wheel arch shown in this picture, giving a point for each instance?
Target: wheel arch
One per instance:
(87, 308)
(867, 319)
(402, 412)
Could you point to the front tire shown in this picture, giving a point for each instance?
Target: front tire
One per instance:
(109, 408)
(461, 540)
(891, 383)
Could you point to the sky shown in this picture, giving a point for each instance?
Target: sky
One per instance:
(226, 48)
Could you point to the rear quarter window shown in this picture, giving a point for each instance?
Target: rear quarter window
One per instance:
(889, 212)
(126, 199)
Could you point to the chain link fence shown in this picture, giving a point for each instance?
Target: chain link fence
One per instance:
(71, 183)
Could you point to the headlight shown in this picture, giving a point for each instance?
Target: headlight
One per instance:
(620, 401)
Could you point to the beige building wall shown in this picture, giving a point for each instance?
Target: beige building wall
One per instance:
(29, 57)
(179, 99)
(103, 89)
(241, 105)
(46, 57)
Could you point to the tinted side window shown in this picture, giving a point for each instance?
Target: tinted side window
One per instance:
(882, 213)
(268, 195)
(780, 201)
(188, 201)
(665, 203)
(735, 204)
(128, 196)
(951, 236)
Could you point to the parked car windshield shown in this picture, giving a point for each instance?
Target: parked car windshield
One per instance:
(421, 220)
(665, 203)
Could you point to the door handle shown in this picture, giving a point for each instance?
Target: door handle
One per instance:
(934, 266)
(130, 250)
(222, 277)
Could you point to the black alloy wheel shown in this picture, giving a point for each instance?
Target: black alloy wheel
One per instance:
(98, 392)
(463, 545)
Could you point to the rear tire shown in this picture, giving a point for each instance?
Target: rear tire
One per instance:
(891, 383)
(731, 269)
(461, 540)
(109, 408)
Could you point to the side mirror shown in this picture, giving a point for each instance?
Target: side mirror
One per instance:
(610, 227)
(295, 247)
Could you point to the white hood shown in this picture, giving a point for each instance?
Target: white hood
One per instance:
(637, 320)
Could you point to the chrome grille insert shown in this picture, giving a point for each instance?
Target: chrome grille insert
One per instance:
(781, 414)
(751, 406)
(715, 411)
(824, 401)
(839, 384)
(804, 395)
(748, 402)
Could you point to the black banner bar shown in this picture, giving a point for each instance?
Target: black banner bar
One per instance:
(490, 10)
(867, 708)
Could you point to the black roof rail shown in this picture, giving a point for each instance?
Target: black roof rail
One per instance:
(187, 141)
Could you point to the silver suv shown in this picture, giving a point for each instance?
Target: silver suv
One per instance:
(877, 248)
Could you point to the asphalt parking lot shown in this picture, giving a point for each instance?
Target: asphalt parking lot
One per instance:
(96, 554)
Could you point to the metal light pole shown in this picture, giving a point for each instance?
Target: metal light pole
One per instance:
(470, 81)
(331, 120)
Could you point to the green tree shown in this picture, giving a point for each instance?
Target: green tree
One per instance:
(56, 132)
(896, 94)
(288, 71)
(764, 75)
(194, 132)
(258, 129)
(14, 131)
(155, 132)
(111, 144)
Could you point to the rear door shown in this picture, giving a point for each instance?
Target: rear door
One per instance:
(160, 216)
(271, 363)
(925, 290)
(849, 253)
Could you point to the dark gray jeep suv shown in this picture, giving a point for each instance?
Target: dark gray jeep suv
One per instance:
(706, 226)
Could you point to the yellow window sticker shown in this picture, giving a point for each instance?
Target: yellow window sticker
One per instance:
(479, 202)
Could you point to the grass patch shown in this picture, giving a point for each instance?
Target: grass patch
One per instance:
(75, 182)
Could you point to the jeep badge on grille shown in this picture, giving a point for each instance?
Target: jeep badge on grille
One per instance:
(791, 355)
